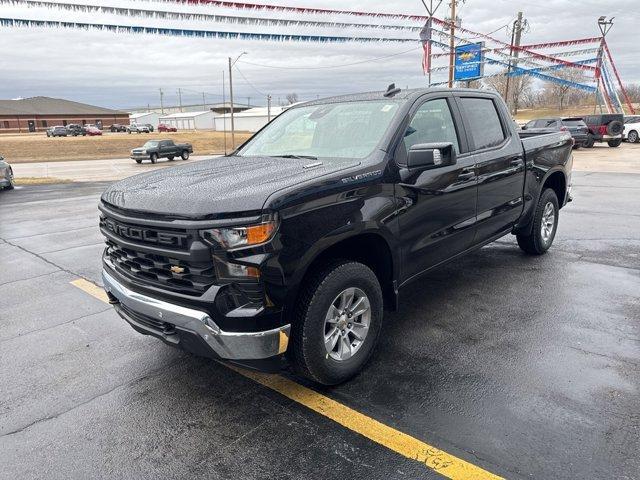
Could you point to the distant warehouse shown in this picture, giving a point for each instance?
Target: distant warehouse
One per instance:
(39, 113)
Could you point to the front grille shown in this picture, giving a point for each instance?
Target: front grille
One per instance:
(191, 278)
(151, 323)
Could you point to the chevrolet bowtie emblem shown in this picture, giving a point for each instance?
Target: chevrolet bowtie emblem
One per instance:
(176, 269)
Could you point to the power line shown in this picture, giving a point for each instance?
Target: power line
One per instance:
(331, 66)
(249, 83)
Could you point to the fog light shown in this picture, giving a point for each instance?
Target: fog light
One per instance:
(234, 270)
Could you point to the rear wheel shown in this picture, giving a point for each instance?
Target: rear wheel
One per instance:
(337, 322)
(138, 161)
(615, 143)
(589, 142)
(185, 155)
(154, 157)
(632, 137)
(171, 158)
(11, 184)
(545, 224)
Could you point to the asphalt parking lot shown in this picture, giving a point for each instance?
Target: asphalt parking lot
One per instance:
(524, 367)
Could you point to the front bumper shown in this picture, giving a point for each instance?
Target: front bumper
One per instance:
(193, 329)
(139, 156)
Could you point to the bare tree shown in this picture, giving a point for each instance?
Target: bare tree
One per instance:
(519, 86)
(292, 98)
(561, 92)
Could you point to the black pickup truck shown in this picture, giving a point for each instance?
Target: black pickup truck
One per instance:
(155, 149)
(289, 249)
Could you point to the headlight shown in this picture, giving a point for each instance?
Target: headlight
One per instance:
(240, 236)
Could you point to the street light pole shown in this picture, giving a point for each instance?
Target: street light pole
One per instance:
(233, 128)
(604, 25)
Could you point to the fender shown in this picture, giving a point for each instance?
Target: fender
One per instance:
(535, 179)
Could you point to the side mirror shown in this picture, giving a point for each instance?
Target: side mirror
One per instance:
(431, 155)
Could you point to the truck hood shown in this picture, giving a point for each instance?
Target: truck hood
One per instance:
(216, 186)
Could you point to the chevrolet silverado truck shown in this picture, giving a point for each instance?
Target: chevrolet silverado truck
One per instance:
(155, 149)
(287, 251)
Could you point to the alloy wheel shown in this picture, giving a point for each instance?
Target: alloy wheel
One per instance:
(346, 324)
(548, 222)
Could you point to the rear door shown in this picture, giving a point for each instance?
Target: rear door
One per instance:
(438, 216)
(496, 151)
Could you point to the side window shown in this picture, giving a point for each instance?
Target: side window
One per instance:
(531, 124)
(484, 122)
(431, 123)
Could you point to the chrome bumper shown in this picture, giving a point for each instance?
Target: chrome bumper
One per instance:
(227, 345)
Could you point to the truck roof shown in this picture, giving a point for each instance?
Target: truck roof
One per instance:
(409, 94)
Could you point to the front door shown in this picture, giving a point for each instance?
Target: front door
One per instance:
(439, 205)
(499, 158)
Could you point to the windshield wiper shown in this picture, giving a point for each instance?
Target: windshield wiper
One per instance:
(290, 155)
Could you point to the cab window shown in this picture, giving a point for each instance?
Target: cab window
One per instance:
(432, 123)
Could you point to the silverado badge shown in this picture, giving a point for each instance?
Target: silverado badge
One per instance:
(176, 269)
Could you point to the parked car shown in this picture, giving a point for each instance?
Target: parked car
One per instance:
(604, 128)
(135, 128)
(295, 243)
(632, 128)
(118, 127)
(93, 131)
(166, 128)
(57, 131)
(155, 149)
(74, 130)
(6, 175)
(149, 126)
(574, 125)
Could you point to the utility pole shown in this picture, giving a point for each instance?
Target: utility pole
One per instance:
(233, 128)
(452, 45)
(514, 52)
(268, 108)
(180, 98)
(604, 25)
(248, 101)
(224, 114)
(204, 103)
(161, 101)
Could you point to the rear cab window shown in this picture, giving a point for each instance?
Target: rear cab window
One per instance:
(485, 124)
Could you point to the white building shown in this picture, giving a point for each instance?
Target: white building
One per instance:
(143, 118)
(250, 120)
(203, 120)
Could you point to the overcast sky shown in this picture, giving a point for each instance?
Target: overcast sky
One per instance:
(126, 70)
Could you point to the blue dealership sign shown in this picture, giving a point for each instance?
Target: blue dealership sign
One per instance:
(469, 61)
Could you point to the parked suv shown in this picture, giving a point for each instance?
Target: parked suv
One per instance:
(575, 126)
(293, 246)
(74, 130)
(632, 128)
(135, 128)
(604, 128)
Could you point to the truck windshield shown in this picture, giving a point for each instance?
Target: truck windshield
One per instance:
(335, 130)
(150, 145)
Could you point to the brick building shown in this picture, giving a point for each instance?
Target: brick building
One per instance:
(39, 113)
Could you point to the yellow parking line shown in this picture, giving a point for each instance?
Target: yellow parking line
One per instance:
(433, 458)
(91, 288)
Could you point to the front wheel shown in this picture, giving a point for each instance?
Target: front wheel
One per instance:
(632, 137)
(336, 322)
(154, 157)
(171, 158)
(615, 143)
(545, 224)
(138, 160)
(185, 155)
(11, 184)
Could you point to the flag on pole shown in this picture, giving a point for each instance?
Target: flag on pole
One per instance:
(425, 38)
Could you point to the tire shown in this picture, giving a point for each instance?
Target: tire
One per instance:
(319, 295)
(633, 137)
(170, 158)
(589, 141)
(615, 143)
(154, 157)
(537, 243)
(615, 128)
(129, 132)
(138, 161)
(185, 155)
(11, 184)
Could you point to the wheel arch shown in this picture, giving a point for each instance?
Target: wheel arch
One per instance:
(369, 247)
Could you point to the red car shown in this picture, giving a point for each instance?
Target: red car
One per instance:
(91, 131)
(166, 128)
